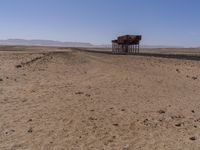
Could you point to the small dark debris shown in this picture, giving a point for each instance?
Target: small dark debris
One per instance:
(178, 125)
(18, 66)
(30, 130)
(194, 78)
(193, 138)
(7, 77)
(161, 112)
(1, 80)
(88, 95)
(92, 110)
(146, 122)
(79, 93)
(122, 109)
(92, 119)
(193, 111)
(116, 124)
(197, 120)
(177, 117)
(177, 70)
(110, 141)
(187, 76)
(30, 120)
(195, 126)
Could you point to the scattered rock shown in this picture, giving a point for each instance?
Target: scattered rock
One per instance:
(197, 120)
(194, 78)
(88, 95)
(79, 93)
(193, 111)
(10, 131)
(92, 110)
(195, 126)
(177, 70)
(1, 80)
(178, 124)
(30, 130)
(116, 124)
(18, 66)
(92, 119)
(110, 141)
(122, 109)
(177, 117)
(30, 120)
(193, 138)
(161, 112)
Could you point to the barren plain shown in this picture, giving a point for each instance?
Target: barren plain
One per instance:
(70, 99)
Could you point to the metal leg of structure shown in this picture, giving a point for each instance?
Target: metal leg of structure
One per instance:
(138, 48)
(131, 49)
(113, 50)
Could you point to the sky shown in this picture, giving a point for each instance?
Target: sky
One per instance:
(160, 22)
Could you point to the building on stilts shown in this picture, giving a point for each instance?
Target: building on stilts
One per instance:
(127, 44)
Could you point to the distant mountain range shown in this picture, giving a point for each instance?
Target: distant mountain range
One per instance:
(67, 44)
(44, 43)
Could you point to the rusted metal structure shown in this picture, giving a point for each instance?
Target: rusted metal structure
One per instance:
(127, 44)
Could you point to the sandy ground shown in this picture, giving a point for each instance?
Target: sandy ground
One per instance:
(63, 99)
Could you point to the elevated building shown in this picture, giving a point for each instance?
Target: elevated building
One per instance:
(127, 44)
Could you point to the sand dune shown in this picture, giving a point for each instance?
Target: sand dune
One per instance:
(65, 99)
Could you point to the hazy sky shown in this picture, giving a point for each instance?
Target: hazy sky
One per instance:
(161, 22)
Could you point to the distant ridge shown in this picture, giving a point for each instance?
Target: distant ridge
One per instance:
(44, 43)
(23, 42)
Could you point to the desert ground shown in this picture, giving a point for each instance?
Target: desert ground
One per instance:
(70, 99)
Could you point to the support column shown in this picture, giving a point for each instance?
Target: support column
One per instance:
(138, 48)
(131, 49)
